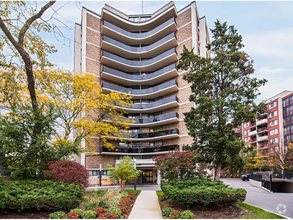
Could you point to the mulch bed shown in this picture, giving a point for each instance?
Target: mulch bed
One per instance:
(39, 214)
(228, 211)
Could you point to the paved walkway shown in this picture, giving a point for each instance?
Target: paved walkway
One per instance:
(146, 206)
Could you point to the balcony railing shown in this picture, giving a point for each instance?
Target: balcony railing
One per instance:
(262, 121)
(139, 49)
(143, 77)
(138, 63)
(141, 150)
(156, 103)
(252, 133)
(151, 134)
(262, 138)
(252, 124)
(252, 140)
(139, 35)
(149, 120)
(140, 91)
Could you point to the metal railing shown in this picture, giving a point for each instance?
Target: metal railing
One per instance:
(140, 91)
(156, 103)
(139, 49)
(148, 120)
(139, 63)
(141, 150)
(139, 35)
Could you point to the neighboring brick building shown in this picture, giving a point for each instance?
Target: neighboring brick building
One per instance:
(138, 53)
(274, 128)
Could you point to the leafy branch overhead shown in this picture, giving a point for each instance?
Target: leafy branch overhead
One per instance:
(223, 91)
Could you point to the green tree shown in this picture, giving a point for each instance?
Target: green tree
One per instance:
(124, 171)
(224, 95)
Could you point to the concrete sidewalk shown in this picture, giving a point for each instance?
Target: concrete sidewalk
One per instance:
(146, 206)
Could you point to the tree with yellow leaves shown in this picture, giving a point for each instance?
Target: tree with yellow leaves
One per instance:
(282, 158)
(43, 106)
(261, 161)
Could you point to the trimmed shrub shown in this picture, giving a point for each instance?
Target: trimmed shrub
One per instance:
(198, 193)
(57, 215)
(68, 172)
(115, 211)
(39, 194)
(187, 215)
(166, 211)
(89, 214)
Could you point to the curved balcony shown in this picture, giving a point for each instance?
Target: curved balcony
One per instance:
(150, 136)
(138, 151)
(159, 105)
(153, 64)
(146, 79)
(150, 93)
(159, 120)
(120, 19)
(148, 37)
(129, 52)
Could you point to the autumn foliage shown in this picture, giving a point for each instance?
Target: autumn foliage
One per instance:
(180, 165)
(68, 172)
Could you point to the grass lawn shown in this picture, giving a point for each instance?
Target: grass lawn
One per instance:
(137, 192)
(159, 193)
(259, 213)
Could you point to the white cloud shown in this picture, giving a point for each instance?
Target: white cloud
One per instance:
(265, 71)
(277, 43)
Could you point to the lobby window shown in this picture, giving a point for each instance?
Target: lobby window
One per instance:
(97, 172)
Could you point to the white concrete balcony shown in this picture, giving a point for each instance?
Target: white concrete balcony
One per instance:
(262, 138)
(252, 133)
(262, 121)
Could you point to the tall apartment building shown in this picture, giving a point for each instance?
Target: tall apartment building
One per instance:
(138, 54)
(274, 128)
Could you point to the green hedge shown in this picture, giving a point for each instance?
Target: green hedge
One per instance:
(39, 194)
(201, 191)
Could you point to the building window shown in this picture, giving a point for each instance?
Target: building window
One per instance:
(275, 131)
(246, 132)
(247, 139)
(246, 125)
(273, 114)
(274, 141)
(272, 105)
(97, 172)
(273, 123)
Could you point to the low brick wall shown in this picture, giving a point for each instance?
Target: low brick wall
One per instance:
(255, 183)
(94, 180)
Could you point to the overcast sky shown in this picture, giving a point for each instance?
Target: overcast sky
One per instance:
(266, 27)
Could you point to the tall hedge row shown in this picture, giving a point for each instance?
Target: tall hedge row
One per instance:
(201, 191)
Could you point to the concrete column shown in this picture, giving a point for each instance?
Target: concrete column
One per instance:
(159, 178)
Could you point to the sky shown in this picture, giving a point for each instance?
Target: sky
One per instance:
(266, 28)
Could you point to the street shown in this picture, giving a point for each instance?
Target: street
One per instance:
(264, 199)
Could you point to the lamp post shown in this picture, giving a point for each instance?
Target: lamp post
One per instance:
(134, 179)
(100, 174)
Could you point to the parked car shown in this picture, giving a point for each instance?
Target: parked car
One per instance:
(245, 177)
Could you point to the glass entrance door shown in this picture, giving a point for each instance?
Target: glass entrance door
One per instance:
(147, 176)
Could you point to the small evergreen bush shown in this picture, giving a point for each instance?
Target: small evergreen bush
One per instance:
(187, 215)
(115, 211)
(57, 215)
(68, 172)
(89, 214)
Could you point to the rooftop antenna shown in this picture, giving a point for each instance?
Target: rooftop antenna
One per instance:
(142, 6)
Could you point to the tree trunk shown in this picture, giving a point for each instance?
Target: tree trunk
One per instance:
(217, 172)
